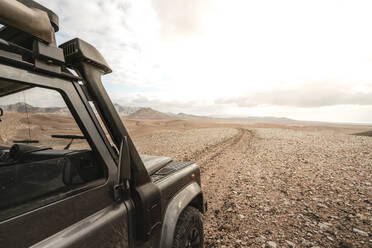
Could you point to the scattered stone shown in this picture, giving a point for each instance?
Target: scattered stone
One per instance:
(324, 225)
(361, 216)
(322, 205)
(360, 232)
(260, 239)
(290, 244)
(271, 244)
(306, 242)
(344, 244)
(277, 193)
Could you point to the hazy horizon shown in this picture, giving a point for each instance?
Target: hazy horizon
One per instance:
(33, 101)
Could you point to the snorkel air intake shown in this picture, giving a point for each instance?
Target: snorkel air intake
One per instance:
(90, 65)
(77, 52)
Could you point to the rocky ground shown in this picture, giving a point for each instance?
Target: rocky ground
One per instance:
(272, 187)
(181, 145)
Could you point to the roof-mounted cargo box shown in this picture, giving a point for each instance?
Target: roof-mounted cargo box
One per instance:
(29, 17)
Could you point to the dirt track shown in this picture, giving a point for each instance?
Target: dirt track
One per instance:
(221, 167)
(284, 187)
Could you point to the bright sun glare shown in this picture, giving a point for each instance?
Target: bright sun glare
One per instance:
(308, 60)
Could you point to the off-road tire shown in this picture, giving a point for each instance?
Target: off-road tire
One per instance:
(189, 230)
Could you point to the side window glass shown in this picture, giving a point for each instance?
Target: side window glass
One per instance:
(102, 125)
(44, 156)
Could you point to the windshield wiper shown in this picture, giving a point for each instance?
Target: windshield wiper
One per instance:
(72, 137)
(26, 141)
(62, 136)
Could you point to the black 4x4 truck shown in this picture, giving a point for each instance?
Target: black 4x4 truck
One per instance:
(84, 185)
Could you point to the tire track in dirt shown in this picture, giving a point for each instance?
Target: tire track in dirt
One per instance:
(283, 187)
(210, 153)
(287, 187)
(220, 164)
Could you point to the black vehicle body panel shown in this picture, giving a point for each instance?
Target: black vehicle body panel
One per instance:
(154, 163)
(60, 213)
(171, 178)
(94, 231)
(90, 216)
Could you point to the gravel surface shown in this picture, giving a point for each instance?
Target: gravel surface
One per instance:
(182, 144)
(279, 187)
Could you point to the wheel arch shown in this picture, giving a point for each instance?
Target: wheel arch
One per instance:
(198, 203)
(191, 195)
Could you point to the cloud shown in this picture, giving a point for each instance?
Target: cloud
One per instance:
(180, 17)
(200, 56)
(317, 94)
(116, 28)
(168, 105)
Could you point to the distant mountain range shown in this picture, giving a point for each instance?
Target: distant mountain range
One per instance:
(21, 107)
(138, 113)
(125, 110)
(149, 113)
(183, 116)
(268, 119)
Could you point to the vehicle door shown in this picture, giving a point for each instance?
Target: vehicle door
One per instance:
(56, 167)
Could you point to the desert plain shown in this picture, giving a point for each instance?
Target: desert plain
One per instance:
(267, 184)
(273, 185)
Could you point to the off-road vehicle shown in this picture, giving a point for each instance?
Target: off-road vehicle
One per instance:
(70, 175)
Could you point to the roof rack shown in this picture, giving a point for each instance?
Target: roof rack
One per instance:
(28, 17)
(53, 17)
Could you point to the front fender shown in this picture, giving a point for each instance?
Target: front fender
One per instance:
(173, 211)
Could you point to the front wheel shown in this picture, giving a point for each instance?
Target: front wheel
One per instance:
(189, 230)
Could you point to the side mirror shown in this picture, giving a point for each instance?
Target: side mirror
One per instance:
(124, 170)
(1, 113)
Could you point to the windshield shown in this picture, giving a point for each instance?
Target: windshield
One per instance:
(37, 117)
(43, 153)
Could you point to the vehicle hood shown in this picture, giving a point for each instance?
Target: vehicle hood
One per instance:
(154, 163)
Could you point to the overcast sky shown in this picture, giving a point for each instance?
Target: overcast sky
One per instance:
(308, 60)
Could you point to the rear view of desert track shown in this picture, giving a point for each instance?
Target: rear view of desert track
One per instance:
(213, 152)
(285, 188)
(222, 167)
(277, 186)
